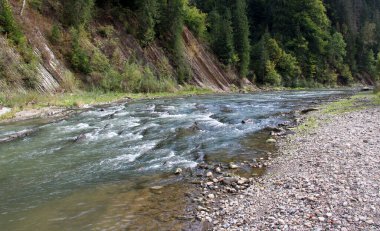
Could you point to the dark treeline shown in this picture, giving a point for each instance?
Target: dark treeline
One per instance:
(293, 43)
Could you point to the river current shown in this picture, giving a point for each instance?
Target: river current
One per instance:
(80, 173)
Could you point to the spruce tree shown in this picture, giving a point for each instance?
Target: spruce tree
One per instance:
(241, 36)
(148, 14)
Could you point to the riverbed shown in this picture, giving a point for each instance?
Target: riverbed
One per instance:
(95, 169)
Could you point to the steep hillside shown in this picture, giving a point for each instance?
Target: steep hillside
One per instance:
(116, 59)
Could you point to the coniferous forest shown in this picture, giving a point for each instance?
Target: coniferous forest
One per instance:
(293, 43)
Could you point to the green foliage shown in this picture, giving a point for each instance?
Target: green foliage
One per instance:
(370, 63)
(336, 49)
(346, 75)
(270, 59)
(148, 14)
(221, 35)
(377, 77)
(271, 75)
(14, 71)
(80, 60)
(36, 4)
(135, 78)
(55, 35)
(171, 28)
(8, 24)
(195, 20)
(241, 36)
(77, 12)
(106, 31)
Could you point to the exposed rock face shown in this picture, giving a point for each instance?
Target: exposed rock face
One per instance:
(207, 71)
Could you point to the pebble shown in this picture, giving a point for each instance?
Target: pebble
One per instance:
(233, 166)
(178, 171)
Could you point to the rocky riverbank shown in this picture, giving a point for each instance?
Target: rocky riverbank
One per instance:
(326, 178)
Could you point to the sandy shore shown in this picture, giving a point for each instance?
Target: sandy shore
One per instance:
(325, 179)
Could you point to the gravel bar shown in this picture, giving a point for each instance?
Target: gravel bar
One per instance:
(324, 179)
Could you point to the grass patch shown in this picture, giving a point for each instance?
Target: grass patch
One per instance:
(8, 115)
(35, 100)
(309, 124)
(355, 103)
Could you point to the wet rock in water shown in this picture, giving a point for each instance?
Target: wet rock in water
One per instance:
(203, 166)
(274, 129)
(18, 135)
(247, 121)
(195, 127)
(305, 111)
(80, 138)
(366, 89)
(156, 187)
(107, 126)
(271, 141)
(233, 166)
(209, 174)
(178, 171)
(226, 109)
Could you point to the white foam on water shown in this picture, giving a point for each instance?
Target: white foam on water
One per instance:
(110, 135)
(131, 136)
(214, 123)
(131, 154)
(167, 115)
(79, 126)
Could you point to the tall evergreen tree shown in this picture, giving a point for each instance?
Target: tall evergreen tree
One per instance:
(221, 35)
(78, 12)
(148, 14)
(241, 36)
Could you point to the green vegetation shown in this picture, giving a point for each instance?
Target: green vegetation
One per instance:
(293, 43)
(8, 24)
(34, 100)
(308, 125)
(355, 103)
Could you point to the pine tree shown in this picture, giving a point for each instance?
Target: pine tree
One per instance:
(222, 41)
(241, 36)
(148, 14)
(78, 12)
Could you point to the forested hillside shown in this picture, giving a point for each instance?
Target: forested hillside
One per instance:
(144, 46)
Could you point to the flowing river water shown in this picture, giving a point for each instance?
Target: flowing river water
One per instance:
(94, 170)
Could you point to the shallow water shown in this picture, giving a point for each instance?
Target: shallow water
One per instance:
(48, 181)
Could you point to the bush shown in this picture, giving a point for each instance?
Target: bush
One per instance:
(106, 31)
(69, 82)
(195, 20)
(77, 12)
(36, 4)
(80, 60)
(8, 24)
(135, 78)
(55, 35)
(271, 75)
(346, 75)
